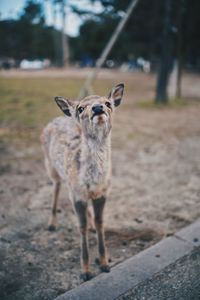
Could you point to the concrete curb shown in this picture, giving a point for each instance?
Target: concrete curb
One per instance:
(137, 269)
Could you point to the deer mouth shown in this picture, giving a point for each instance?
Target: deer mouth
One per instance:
(98, 115)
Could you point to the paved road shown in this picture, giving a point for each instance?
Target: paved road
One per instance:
(179, 281)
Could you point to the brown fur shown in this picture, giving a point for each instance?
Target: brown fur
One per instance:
(77, 150)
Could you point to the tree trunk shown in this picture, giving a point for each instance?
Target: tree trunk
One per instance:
(179, 49)
(65, 47)
(56, 36)
(166, 58)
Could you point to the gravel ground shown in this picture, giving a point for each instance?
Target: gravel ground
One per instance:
(156, 191)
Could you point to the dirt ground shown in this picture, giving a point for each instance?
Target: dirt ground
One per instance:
(155, 192)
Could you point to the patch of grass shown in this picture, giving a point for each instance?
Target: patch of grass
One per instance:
(29, 101)
(172, 103)
(26, 104)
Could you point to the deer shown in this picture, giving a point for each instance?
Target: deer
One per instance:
(77, 150)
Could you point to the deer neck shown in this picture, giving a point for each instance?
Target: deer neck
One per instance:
(95, 159)
(94, 149)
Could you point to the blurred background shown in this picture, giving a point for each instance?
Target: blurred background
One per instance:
(60, 33)
(73, 48)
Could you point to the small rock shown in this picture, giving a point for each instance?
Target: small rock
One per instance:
(124, 243)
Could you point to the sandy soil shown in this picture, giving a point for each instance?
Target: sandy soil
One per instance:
(156, 191)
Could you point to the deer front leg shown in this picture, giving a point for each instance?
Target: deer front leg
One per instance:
(81, 211)
(98, 205)
(53, 220)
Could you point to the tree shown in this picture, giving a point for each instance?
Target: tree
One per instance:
(28, 36)
(33, 13)
(139, 37)
(180, 47)
(65, 45)
(166, 57)
(63, 40)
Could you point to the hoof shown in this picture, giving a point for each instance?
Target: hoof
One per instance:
(105, 269)
(86, 276)
(52, 227)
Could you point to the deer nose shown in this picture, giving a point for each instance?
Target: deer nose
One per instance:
(97, 109)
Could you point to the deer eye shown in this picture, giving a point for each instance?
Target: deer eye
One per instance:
(80, 109)
(108, 104)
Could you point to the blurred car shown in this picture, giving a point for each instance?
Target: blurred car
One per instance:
(35, 64)
(87, 61)
(145, 65)
(7, 63)
(137, 64)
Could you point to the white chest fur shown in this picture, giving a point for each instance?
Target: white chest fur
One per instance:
(95, 166)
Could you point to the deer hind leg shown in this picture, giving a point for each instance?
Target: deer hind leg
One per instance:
(53, 222)
(98, 206)
(56, 189)
(82, 211)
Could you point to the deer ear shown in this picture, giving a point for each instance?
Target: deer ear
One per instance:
(116, 94)
(65, 105)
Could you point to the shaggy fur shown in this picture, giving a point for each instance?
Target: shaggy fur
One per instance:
(77, 150)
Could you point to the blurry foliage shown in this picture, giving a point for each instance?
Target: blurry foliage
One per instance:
(29, 37)
(142, 35)
(32, 13)
(139, 38)
(25, 40)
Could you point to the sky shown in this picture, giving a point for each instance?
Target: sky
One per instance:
(13, 8)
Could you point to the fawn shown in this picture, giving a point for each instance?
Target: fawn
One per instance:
(77, 150)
